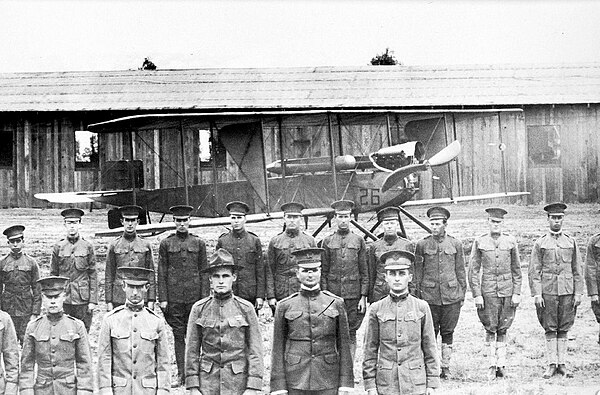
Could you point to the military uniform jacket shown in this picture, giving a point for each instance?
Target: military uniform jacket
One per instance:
(122, 252)
(494, 266)
(180, 261)
(440, 270)
(133, 353)
(9, 370)
(76, 260)
(311, 343)
(554, 268)
(20, 293)
(377, 284)
(224, 353)
(400, 340)
(281, 277)
(247, 253)
(344, 270)
(59, 347)
(592, 259)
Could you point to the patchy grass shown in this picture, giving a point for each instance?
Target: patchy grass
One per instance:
(526, 361)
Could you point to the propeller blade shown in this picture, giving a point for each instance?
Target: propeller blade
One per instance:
(445, 155)
(398, 175)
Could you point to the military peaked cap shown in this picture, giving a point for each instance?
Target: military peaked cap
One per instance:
(221, 259)
(181, 211)
(53, 285)
(14, 232)
(388, 213)
(308, 258)
(556, 208)
(343, 206)
(237, 207)
(135, 275)
(72, 213)
(438, 213)
(397, 259)
(292, 208)
(495, 212)
(130, 211)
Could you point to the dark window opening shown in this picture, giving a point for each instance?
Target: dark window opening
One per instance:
(543, 144)
(210, 151)
(86, 150)
(6, 148)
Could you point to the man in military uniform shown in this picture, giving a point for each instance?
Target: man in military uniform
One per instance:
(224, 344)
(9, 351)
(441, 280)
(390, 220)
(56, 357)
(311, 353)
(181, 259)
(18, 278)
(495, 280)
(128, 250)
(592, 274)
(133, 349)
(247, 253)
(556, 283)
(344, 270)
(400, 352)
(281, 276)
(73, 257)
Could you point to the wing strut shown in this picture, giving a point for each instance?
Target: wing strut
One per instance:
(185, 179)
(332, 155)
(132, 168)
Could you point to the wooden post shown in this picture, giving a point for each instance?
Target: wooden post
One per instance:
(213, 139)
(500, 147)
(185, 179)
(340, 140)
(332, 155)
(281, 158)
(132, 168)
(265, 175)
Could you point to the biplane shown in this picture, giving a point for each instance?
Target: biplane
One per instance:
(388, 176)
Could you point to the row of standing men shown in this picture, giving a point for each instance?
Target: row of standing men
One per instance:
(350, 271)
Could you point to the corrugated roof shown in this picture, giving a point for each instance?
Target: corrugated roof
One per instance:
(301, 88)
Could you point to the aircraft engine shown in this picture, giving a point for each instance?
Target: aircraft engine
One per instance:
(397, 156)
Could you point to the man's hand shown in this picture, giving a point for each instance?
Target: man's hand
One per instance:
(151, 305)
(163, 305)
(91, 307)
(33, 317)
(272, 302)
(250, 391)
(577, 301)
(430, 391)
(539, 301)
(109, 306)
(515, 300)
(479, 302)
(258, 305)
(594, 298)
(362, 304)
(372, 391)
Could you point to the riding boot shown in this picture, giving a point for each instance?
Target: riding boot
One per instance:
(551, 356)
(562, 352)
(446, 355)
(501, 355)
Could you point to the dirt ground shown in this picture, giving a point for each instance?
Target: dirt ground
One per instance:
(526, 339)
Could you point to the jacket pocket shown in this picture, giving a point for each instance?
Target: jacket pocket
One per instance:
(331, 358)
(238, 367)
(84, 289)
(566, 254)
(291, 315)
(81, 261)
(69, 337)
(206, 322)
(206, 365)
(292, 359)
(149, 382)
(450, 250)
(149, 336)
(453, 283)
(237, 321)
(417, 373)
(119, 381)
(120, 341)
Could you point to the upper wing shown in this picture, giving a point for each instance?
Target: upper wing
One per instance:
(458, 199)
(75, 197)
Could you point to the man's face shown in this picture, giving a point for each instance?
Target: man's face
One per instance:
(135, 294)
(438, 226)
(54, 303)
(130, 224)
(309, 277)
(555, 221)
(398, 280)
(221, 280)
(16, 245)
(292, 221)
(238, 221)
(343, 221)
(181, 224)
(72, 225)
(390, 226)
(495, 225)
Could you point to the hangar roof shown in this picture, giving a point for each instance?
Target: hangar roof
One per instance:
(363, 87)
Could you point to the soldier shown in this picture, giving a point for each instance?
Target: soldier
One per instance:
(247, 253)
(400, 353)
(18, 277)
(224, 344)
(127, 250)
(344, 270)
(390, 220)
(281, 277)
(73, 257)
(495, 280)
(441, 280)
(133, 349)
(56, 357)
(9, 350)
(181, 259)
(311, 353)
(556, 283)
(592, 274)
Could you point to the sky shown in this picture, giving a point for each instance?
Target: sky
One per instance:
(117, 35)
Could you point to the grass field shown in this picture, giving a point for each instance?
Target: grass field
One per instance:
(526, 360)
